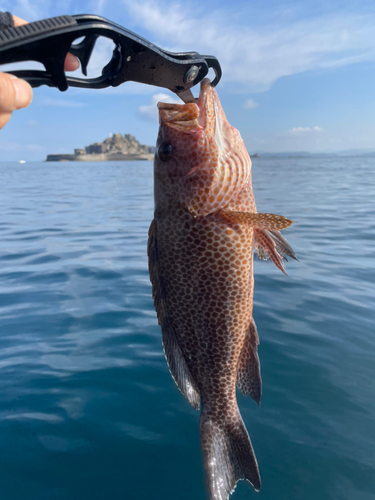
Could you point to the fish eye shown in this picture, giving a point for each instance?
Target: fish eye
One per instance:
(165, 151)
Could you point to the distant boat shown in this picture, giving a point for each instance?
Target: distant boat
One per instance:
(22, 161)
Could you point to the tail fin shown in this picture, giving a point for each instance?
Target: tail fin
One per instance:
(228, 455)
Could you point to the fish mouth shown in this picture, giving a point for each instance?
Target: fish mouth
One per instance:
(190, 116)
(206, 100)
(212, 117)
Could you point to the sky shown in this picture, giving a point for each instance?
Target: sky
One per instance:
(297, 75)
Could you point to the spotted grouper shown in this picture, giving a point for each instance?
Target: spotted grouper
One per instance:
(201, 247)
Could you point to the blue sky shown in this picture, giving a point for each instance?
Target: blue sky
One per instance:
(297, 76)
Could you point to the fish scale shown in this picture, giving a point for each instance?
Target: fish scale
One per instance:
(201, 247)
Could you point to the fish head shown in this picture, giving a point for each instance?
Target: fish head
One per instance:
(201, 161)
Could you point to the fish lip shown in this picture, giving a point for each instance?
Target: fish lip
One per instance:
(200, 102)
(205, 86)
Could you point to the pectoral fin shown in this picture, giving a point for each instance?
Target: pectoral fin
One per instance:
(271, 245)
(267, 244)
(282, 245)
(268, 222)
(176, 361)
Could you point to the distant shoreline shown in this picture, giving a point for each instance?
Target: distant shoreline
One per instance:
(306, 154)
(101, 157)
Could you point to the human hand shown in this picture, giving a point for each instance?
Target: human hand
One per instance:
(16, 93)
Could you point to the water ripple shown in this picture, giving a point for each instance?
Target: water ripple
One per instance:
(87, 405)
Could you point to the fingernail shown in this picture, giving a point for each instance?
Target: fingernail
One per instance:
(24, 93)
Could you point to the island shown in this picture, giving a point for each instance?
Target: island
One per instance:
(117, 147)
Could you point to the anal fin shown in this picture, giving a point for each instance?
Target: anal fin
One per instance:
(249, 380)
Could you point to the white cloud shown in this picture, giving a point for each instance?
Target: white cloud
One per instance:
(61, 103)
(150, 111)
(10, 146)
(27, 10)
(98, 7)
(15, 146)
(100, 57)
(32, 10)
(250, 104)
(254, 57)
(304, 130)
(34, 147)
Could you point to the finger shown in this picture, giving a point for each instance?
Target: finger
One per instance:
(71, 63)
(18, 21)
(14, 93)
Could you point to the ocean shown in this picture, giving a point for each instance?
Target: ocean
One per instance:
(88, 409)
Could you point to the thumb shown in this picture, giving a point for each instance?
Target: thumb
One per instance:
(14, 93)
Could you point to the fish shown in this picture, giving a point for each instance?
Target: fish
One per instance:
(201, 253)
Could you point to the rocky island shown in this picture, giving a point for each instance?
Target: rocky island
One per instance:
(116, 148)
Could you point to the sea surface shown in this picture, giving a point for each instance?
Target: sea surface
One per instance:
(88, 409)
